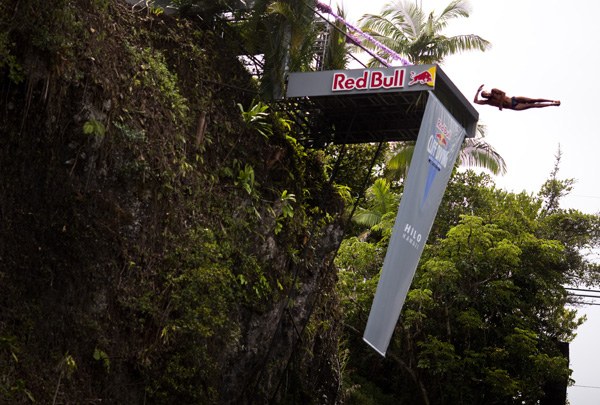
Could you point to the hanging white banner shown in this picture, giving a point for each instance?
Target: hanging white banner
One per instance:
(438, 145)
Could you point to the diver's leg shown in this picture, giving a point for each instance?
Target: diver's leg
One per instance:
(525, 106)
(527, 100)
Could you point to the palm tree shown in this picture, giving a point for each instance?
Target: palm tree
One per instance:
(475, 152)
(337, 50)
(284, 31)
(403, 27)
(407, 30)
(380, 200)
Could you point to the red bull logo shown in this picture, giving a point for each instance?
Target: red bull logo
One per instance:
(368, 80)
(437, 147)
(441, 138)
(444, 136)
(427, 77)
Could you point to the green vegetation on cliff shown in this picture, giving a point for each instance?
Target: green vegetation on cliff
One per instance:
(150, 228)
(165, 238)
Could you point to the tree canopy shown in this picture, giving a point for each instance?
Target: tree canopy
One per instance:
(405, 28)
(487, 318)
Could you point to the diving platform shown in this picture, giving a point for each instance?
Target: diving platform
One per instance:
(370, 105)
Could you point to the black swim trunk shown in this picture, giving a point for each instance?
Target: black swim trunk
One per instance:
(514, 101)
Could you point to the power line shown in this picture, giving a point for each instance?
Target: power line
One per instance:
(585, 295)
(586, 386)
(585, 303)
(578, 292)
(582, 196)
(583, 289)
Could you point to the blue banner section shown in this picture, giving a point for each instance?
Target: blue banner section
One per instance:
(438, 144)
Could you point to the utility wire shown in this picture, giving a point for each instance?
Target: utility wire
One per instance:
(585, 295)
(578, 292)
(582, 289)
(582, 196)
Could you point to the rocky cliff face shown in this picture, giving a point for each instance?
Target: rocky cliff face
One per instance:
(147, 250)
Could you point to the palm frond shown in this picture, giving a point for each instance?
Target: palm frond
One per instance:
(380, 200)
(367, 218)
(407, 16)
(457, 8)
(402, 157)
(338, 53)
(468, 42)
(381, 197)
(478, 153)
(403, 27)
(281, 8)
(397, 166)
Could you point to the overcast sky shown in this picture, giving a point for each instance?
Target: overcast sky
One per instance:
(541, 49)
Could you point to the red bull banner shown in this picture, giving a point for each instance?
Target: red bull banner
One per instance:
(357, 81)
(438, 144)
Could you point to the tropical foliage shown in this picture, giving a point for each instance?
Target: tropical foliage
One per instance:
(284, 32)
(486, 320)
(380, 201)
(405, 28)
(474, 152)
(151, 238)
(337, 50)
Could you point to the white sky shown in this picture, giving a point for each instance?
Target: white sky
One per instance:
(541, 49)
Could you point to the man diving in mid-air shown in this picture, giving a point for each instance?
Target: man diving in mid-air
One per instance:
(498, 98)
